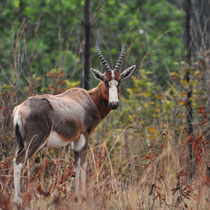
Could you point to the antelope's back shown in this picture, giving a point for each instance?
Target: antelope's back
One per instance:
(76, 107)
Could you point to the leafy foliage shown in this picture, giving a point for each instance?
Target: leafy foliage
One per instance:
(48, 35)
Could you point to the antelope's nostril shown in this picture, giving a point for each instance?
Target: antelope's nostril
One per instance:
(113, 105)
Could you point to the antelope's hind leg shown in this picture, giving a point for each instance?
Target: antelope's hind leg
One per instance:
(80, 153)
(36, 131)
(19, 161)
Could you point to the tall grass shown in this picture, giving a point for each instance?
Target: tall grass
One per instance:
(123, 173)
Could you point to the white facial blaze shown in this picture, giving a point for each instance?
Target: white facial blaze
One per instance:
(113, 76)
(113, 92)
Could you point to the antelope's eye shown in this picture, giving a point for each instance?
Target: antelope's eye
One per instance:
(106, 82)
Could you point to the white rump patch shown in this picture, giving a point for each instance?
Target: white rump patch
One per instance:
(55, 141)
(17, 120)
(78, 144)
(113, 92)
(20, 113)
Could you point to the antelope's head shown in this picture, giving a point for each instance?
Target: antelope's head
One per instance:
(112, 78)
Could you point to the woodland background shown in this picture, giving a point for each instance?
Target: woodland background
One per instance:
(152, 152)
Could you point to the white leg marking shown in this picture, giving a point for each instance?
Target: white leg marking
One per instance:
(113, 93)
(78, 168)
(83, 174)
(79, 144)
(17, 172)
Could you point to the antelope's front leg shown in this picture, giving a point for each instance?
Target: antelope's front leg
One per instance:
(80, 152)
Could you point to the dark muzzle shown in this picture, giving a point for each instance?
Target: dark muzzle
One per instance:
(113, 105)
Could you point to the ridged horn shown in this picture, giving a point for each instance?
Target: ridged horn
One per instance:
(101, 57)
(121, 57)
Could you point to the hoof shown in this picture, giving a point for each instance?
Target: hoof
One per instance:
(84, 198)
(76, 199)
(17, 203)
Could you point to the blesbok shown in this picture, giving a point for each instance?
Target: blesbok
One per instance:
(70, 117)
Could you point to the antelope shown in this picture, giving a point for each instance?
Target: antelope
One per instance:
(69, 117)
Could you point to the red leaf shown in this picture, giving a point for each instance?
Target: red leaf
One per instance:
(147, 165)
(188, 139)
(200, 137)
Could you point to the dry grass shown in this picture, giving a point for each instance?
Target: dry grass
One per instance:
(118, 178)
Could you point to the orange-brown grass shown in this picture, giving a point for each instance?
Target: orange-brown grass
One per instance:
(124, 172)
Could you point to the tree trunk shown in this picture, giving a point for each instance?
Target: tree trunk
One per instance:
(189, 92)
(86, 63)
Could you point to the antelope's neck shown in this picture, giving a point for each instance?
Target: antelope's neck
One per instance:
(100, 100)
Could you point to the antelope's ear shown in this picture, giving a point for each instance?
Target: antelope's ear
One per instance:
(127, 73)
(97, 74)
